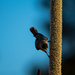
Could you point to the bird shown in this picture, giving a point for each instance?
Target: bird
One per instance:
(41, 42)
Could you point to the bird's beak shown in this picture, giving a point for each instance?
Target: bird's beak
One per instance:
(47, 49)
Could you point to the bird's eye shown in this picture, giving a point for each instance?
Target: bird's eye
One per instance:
(44, 46)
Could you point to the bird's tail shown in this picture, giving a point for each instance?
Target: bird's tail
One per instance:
(34, 31)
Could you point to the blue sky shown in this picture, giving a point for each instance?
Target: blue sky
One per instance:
(17, 48)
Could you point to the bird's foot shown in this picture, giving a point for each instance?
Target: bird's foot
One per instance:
(49, 41)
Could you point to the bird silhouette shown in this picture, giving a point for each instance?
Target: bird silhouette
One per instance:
(41, 42)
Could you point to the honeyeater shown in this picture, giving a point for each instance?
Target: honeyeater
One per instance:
(41, 42)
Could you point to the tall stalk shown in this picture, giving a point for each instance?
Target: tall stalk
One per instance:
(56, 37)
(39, 72)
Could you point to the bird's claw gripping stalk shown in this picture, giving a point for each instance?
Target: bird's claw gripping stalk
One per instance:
(49, 41)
